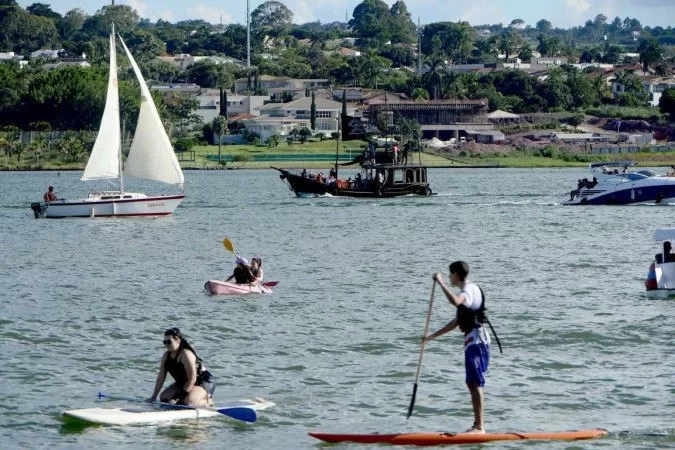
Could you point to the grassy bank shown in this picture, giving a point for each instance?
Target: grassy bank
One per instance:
(315, 155)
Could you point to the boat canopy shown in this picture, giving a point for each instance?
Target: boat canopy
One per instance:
(664, 234)
(613, 164)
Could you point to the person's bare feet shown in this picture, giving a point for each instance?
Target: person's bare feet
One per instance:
(474, 430)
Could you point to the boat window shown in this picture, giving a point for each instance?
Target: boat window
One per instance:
(647, 173)
(127, 196)
(399, 176)
(422, 176)
(410, 176)
(635, 176)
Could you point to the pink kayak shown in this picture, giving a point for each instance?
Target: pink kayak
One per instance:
(223, 287)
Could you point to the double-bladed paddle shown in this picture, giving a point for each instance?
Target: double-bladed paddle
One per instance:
(419, 364)
(242, 413)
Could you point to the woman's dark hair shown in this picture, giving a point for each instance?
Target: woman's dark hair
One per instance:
(257, 258)
(184, 344)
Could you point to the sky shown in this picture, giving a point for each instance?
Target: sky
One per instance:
(561, 13)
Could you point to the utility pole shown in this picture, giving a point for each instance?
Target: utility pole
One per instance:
(419, 47)
(248, 34)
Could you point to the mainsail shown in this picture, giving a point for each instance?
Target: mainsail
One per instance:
(104, 162)
(151, 156)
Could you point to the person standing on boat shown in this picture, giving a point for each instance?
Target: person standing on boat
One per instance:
(242, 272)
(193, 385)
(50, 195)
(470, 318)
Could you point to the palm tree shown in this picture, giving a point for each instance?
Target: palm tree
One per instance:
(220, 128)
(433, 79)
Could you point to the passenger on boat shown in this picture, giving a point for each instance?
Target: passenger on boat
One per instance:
(404, 155)
(668, 255)
(470, 319)
(242, 272)
(395, 149)
(319, 177)
(304, 173)
(671, 172)
(256, 270)
(50, 195)
(193, 384)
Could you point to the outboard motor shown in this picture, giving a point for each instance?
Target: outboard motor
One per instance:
(38, 209)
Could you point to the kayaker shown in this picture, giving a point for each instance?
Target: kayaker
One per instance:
(193, 385)
(470, 319)
(242, 272)
(256, 270)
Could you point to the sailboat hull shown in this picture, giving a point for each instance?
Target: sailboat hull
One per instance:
(114, 205)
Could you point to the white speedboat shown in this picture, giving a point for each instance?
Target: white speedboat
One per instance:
(612, 183)
(151, 157)
(660, 281)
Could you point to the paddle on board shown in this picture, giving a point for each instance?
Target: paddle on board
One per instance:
(238, 412)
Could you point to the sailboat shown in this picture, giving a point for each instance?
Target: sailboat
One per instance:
(151, 157)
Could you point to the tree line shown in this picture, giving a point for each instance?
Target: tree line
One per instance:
(72, 98)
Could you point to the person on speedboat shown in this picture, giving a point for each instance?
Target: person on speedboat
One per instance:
(50, 195)
(193, 384)
(242, 272)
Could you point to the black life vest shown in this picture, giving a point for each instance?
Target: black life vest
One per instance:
(177, 370)
(469, 319)
(241, 275)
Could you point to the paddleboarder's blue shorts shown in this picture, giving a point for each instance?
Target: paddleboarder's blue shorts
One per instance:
(476, 360)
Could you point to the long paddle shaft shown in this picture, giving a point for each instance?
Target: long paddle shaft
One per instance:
(237, 412)
(419, 364)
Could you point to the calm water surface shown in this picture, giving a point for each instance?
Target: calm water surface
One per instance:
(84, 304)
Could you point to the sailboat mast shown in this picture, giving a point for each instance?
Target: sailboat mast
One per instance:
(113, 67)
(337, 146)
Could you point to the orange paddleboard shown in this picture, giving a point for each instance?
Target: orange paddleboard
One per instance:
(455, 438)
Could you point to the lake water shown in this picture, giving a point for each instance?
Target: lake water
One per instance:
(85, 302)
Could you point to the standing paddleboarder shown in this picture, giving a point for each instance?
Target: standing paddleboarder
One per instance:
(470, 318)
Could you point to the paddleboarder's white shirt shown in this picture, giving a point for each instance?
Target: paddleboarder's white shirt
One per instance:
(472, 300)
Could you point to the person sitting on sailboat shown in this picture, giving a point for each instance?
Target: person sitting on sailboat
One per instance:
(242, 272)
(193, 384)
(50, 195)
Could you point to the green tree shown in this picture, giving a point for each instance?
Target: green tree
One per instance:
(43, 10)
(71, 23)
(507, 42)
(181, 112)
(371, 22)
(650, 52)
(667, 103)
(271, 18)
(124, 17)
(403, 28)
(544, 26)
(144, 45)
(525, 54)
(219, 126)
(454, 40)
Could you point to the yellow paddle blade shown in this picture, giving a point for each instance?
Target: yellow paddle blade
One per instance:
(228, 245)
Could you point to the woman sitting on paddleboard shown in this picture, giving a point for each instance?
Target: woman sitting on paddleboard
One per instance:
(193, 384)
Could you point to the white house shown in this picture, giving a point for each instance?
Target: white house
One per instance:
(281, 118)
(276, 87)
(656, 85)
(46, 54)
(209, 104)
(183, 60)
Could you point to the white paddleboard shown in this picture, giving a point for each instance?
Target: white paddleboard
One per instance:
(146, 414)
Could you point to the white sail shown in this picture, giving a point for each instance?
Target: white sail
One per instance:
(151, 156)
(104, 160)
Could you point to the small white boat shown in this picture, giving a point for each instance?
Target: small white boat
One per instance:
(612, 183)
(660, 281)
(217, 287)
(151, 414)
(151, 157)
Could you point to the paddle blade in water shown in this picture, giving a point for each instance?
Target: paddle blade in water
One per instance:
(240, 413)
(412, 401)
